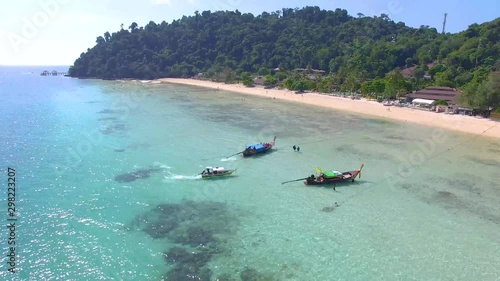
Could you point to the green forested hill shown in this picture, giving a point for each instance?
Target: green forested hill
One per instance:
(350, 49)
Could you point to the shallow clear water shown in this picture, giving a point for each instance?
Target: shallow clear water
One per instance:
(107, 184)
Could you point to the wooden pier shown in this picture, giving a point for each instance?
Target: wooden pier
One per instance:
(53, 73)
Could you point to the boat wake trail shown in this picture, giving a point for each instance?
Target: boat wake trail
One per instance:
(230, 159)
(182, 177)
(162, 165)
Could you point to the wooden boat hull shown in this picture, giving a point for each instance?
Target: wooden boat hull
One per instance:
(346, 176)
(218, 175)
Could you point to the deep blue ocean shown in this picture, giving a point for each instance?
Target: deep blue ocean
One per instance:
(108, 188)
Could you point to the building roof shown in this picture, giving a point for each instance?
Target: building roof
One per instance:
(437, 93)
(423, 101)
(313, 70)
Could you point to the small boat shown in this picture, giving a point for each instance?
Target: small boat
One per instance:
(211, 172)
(333, 177)
(253, 149)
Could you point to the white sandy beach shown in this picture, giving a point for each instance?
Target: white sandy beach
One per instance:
(466, 124)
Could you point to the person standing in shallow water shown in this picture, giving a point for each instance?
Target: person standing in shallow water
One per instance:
(294, 148)
(298, 148)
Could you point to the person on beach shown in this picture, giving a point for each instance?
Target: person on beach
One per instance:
(294, 148)
(298, 148)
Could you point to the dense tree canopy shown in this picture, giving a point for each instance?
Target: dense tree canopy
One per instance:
(355, 52)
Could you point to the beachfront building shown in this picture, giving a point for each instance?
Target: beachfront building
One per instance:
(259, 80)
(199, 76)
(450, 95)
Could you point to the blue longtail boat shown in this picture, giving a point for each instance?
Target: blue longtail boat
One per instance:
(253, 149)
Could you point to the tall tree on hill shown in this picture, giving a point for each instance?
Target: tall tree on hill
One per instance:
(484, 95)
(395, 84)
(418, 74)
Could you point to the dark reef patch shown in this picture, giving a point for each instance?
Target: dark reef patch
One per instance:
(251, 274)
(494, 150)
(107, 118)
(196, 229)
(197, 236)
(447, 199)
(139, 174)
(109, 111)
(463, 193)
(362, 154)
(114, 128)
(132, 147)
(225, 277)
(189, 265)
(486, 162)
(394, 137)
(189, 223)
(462, 182)
(139, 146)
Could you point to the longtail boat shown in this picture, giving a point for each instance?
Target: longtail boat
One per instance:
(211, 172)
(333, 177)
(253, 149)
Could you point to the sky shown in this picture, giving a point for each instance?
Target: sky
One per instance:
(56, 32)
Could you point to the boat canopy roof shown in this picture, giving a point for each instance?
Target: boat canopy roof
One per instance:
(215, 169)
(256, 146)
(332, 174)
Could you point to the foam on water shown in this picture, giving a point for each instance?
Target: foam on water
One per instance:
(230, 159)
(182, 177)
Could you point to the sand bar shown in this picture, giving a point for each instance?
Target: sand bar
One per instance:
(465, 124)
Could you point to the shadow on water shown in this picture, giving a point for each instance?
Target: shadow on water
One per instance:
(330, 209)
(139, 174)
(133, 147)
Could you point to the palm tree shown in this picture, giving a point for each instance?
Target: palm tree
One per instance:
(133, 27)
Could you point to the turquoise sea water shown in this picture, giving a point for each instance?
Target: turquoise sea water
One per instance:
(107, 188)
